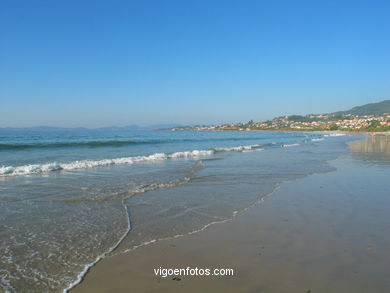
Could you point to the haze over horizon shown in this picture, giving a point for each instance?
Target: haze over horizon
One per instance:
(95, 64)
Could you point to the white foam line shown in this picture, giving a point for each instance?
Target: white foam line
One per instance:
(334, 134)
(84, 164)
(238, 148)
(290, 145)
(82, 274)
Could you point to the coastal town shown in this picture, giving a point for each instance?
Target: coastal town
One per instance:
(312, 122)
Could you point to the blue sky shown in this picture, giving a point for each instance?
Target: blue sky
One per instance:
(99, 63)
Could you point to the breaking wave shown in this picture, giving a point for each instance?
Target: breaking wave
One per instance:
(84, 164)
(318, 139)
(334, 134)
(290, 145)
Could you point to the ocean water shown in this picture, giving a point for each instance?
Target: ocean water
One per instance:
(71, 198)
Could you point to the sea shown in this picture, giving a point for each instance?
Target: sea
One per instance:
(71, 197)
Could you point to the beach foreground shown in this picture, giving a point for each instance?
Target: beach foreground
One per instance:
(327, 232)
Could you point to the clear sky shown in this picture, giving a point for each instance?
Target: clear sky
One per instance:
(99, 63)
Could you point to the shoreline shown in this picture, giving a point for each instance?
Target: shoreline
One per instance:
(170, 238)
(87, 270)
(155, 252)
(289, 131)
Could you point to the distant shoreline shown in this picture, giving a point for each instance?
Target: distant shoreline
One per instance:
(285, 131)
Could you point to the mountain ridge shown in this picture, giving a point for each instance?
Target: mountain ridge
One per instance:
(378, 108)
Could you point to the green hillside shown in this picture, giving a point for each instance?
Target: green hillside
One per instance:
(369, 109)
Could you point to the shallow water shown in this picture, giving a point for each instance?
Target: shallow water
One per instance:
(375, 149)
(70, 199)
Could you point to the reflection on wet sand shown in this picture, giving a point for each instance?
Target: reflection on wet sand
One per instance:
(374, 149)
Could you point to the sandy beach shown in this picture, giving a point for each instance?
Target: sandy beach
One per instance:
(326, 232)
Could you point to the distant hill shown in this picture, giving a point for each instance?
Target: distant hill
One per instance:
(369, 109)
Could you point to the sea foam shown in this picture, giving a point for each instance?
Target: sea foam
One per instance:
(334, 134)
(290, 145)
(238, 148)
(84, 164)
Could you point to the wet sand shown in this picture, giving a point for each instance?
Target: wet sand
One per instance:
(326, 232)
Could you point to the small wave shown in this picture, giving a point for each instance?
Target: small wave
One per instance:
(155, 186)
(290, 145)
(253, 150)
(318, 139)
(113, 143)
(84, 164)
(238, 148)
(126, 194)
(334, 134)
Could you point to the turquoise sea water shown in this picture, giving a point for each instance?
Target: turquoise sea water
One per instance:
(70, 198)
